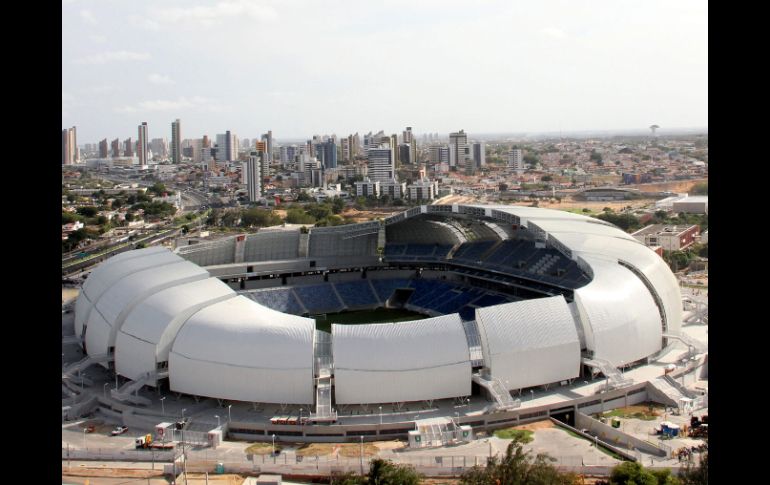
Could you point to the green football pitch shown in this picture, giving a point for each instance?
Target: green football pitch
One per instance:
(380, 315)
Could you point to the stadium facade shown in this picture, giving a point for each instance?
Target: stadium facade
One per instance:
(515, 296)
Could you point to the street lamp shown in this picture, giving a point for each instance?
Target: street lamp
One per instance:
(105, 389)
(85, 430)
(380, 414)
(183, 410)
(82, 376)
(228, 413)
(273, 447)
(162, 406)
(362, 455)
(218, 423)
(533, 394)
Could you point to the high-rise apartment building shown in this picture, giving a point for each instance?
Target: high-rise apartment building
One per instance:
(159, 148)
(381, 163)
(478, 150)
(268, 138)
(176, 141)
(253, 178)
(115, 145)
(458, 143)
(226, 144)
(438, 154)
(143, 142)
(69, 146)
(264, 160)
(515, 161)
(104, 149)
(410, 140)
(128, 147)
(326, 152)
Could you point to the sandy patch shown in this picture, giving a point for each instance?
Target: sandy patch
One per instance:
(545, 424)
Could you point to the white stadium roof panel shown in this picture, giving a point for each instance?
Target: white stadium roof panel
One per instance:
(270, 352)
(150, 329)
(405, 361)
(124, 295)
(531, 342)
(622, 322)
(109, 273)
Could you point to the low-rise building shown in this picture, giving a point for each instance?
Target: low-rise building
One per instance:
(698, 204)
(366, 188)
(668, 237)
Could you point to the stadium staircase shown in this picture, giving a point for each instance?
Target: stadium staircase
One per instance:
(672, 392)
(698, 314)
(71, 370)
(693, 344)
(544, 264)
(615, 378)
(323, 401)
(323, 369)
(129, 391)
(502, 397)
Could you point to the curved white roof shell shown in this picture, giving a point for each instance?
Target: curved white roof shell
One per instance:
(531, 342)
(150, 329)
(112, 271)
(108, 314)
(620, 319)
(405, 361)
(237, 349)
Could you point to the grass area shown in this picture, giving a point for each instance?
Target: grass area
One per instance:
(510, 433)
(316, 449)
(366, 316)
(261, 449)
(647, 412)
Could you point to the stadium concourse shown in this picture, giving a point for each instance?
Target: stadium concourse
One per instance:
(516, 297)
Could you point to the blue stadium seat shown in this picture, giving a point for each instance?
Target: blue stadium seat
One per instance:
(356, 294)
(319, 298)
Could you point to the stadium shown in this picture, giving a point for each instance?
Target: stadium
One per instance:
(491, 299)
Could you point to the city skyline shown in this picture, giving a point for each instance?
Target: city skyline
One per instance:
(315, 68)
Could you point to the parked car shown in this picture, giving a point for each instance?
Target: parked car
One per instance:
(119, 430)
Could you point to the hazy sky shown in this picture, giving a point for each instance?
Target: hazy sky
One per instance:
(332, 66)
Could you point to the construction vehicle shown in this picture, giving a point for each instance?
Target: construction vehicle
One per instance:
(146, 442)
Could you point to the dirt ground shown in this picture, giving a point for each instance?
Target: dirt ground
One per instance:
(69, 293)
(353, 450)
(364, 216)
(390, 445)
(545, 424)
(110, 473)
(596, 205)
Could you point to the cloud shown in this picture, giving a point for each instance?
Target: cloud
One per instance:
(88, 17)
(196, 102)
(207, 16)
(144, 23)
(97, 39)
(554, 32)
(160, 79)
(106, 57)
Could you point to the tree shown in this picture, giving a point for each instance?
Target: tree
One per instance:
(517, 467)
(547, 178)
(696, 475)
(337, 205)
(701, 188)
(385, 472)
(298, 216)
(632, 473)
(349, 478)
(88, 211)
(259, 218)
